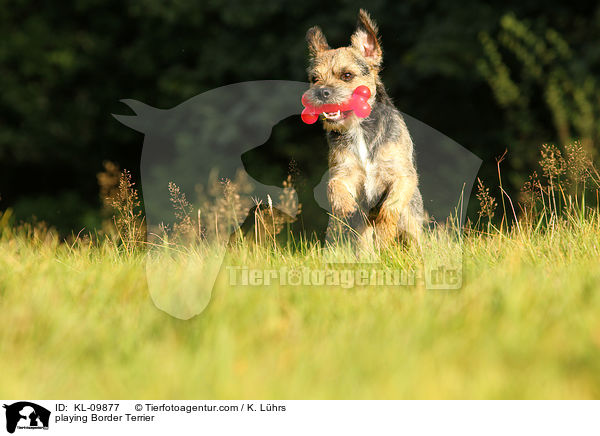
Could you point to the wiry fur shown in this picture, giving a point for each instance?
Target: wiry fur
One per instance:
(371, 160)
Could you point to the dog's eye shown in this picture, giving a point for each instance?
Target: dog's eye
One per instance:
(313, 79)
(347, 76)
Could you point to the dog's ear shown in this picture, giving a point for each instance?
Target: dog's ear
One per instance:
(316, 41)
(366, 40)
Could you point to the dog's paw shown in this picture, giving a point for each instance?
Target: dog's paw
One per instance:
(342, 202)
(344, 210)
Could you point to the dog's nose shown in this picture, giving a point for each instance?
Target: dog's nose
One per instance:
(324, 93)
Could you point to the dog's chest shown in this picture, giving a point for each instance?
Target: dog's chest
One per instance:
(363, 154)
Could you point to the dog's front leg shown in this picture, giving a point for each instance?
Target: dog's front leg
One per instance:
(344, 183)
(342, 197)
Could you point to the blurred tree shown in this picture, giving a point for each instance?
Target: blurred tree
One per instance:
(541, 84)
(65, 66)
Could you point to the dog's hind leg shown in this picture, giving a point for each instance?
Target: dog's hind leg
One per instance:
(411, 221)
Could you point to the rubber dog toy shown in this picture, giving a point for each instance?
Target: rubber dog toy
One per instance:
(357, 103)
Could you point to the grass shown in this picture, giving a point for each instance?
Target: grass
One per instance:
(79, 319)
(78, 322)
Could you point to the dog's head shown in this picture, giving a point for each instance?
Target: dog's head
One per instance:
(335, 73)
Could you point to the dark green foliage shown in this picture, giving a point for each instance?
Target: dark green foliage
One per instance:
(64, 66)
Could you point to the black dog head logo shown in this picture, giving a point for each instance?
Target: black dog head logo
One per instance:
(24, 414)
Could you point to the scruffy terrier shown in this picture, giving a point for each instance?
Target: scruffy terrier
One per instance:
(371, 160)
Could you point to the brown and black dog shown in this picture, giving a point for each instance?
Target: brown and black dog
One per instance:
(371, 160)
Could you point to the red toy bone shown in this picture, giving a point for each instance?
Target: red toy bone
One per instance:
(357, 103)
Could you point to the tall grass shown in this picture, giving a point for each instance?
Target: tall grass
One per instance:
(525, 323)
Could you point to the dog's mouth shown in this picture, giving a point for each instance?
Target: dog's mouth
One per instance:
(336, 116)
(336, 112)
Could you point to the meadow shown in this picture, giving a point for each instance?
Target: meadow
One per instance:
(78, 321)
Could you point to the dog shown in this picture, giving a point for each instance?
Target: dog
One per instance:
(371, 160)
